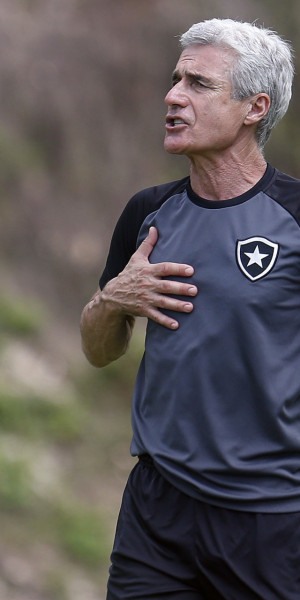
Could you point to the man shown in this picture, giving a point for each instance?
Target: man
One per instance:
(212, 508)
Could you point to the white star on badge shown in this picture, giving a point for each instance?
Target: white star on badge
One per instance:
(255, 258)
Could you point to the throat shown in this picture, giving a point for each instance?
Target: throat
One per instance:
(224, 183)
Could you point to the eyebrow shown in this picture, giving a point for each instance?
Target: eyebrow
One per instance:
(192, 75)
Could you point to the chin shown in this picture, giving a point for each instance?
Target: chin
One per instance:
(173, 148)
(175, 144)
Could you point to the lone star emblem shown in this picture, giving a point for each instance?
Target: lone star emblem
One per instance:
(256, 256)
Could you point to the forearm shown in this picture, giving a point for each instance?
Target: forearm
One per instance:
(140, 290)
(105, 331)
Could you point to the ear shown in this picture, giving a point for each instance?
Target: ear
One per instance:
(258, 107)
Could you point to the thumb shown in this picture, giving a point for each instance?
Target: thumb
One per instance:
(149, 242)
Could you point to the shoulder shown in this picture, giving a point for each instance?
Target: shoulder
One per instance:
(150, 199)
(285, 190)
(124, 238)
(141, 205)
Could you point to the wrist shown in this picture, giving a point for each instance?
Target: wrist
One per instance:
(112, 298)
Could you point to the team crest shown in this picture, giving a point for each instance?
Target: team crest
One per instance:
(256, 256)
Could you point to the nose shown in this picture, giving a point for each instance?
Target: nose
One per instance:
(176, 97)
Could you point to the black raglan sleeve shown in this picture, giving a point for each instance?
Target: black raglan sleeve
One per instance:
(124, 238)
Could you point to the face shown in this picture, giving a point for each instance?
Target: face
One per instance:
(202, 117)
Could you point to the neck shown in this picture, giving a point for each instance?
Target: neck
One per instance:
(222, 179)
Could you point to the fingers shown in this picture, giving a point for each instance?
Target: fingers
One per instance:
(173, 304)
(165, 286)
(163, 269)
(162, 319)
(154, 312)
(166, 269)
(161, 299)
(147, 289)
(148, 244)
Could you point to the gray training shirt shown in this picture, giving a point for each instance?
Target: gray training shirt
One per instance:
(217, 402)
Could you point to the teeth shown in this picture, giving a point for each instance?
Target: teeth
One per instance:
(178, 122)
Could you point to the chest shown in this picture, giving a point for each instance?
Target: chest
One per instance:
(250, 251)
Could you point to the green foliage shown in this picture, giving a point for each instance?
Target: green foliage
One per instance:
(19, 318)
(82, 534)
(36, 417)
(15, 490)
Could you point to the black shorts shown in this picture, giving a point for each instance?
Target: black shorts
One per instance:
(169, 546)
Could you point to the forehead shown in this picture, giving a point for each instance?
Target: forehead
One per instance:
(213, 62)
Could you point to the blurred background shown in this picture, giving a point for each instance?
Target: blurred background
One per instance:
(82, 84)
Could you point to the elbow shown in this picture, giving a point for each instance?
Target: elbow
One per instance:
(100, 360)
(104, 339)
(95, 359)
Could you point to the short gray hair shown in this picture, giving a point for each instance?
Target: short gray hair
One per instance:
(264, 63)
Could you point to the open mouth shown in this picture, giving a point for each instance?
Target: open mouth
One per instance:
(174, 121)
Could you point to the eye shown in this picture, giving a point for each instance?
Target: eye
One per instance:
(197, 83)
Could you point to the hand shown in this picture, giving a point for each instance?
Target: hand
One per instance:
(140, 289)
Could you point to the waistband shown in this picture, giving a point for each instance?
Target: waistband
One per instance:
(146, 458)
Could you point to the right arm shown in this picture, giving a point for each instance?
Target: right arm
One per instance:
(105, 330)
(139, 290)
